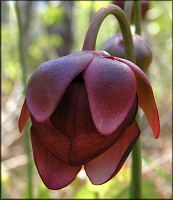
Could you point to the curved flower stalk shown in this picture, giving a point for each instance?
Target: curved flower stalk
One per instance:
(143, 53)
(83, 107)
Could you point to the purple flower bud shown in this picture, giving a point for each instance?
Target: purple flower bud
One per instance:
(143, 53)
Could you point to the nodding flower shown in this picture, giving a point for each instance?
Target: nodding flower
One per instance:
(82, 108)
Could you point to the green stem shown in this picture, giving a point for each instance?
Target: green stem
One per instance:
(136, 182)
(136, 177)
(137, 17)
(128, 7)
(90, 39)
(27, 128)
(20, 45)
(136, 171)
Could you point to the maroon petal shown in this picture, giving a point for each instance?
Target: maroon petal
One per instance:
(86, 147)
(50, 80)
(24, 116)
(145, 97)
(72, 115)
(107, 165)
(111, 89)
(54, 173)
(54, 141)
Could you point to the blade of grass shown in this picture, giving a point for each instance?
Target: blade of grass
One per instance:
(29, 166)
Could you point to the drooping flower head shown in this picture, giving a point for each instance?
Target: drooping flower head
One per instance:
(83, 107)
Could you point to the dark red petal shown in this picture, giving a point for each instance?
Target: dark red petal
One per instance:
(86, 147)
(54, 173)
(107, 165)
(72, 115)
(145, 97)
(50, 80)
(54, 141)
(24, 116)
(111, 89)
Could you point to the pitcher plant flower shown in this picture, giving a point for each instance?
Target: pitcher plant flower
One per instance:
(82, 108)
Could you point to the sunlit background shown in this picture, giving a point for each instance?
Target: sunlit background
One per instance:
(52, 29)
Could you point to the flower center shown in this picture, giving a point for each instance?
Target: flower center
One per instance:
(79, 78)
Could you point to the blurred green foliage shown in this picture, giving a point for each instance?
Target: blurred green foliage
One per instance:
(53, 15)
(41, 43)
(159, 33)
(159, 170)
(10, 61)
(117, 188)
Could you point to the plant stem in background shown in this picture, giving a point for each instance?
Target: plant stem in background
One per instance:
(136, 179)
(91, 36)
(26, 130)
(128, 7)
(137, 17)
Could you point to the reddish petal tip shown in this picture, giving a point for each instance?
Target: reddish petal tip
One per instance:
(145, 97)
(24, 116)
